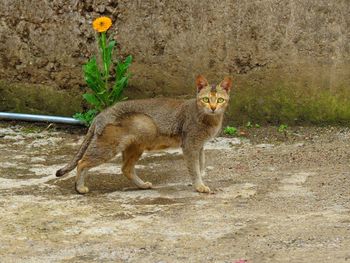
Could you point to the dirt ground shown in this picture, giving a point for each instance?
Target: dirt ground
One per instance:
(276, 198)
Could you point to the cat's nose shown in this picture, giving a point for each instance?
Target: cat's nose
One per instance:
(213, 107)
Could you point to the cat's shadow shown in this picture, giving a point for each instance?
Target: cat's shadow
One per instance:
(160, 176)
(104, 183)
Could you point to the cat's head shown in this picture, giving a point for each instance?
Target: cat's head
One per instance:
(213, 99)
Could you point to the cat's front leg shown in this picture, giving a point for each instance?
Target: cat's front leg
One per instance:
(202, 162)
(194, 162)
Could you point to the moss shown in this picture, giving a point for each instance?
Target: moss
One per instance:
(292, 97)
(290, 94)
(285, 105)
(31, 129)
(37, 99)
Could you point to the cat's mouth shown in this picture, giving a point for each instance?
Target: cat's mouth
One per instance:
(212, 113)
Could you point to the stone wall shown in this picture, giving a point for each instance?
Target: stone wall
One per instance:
(290, 58)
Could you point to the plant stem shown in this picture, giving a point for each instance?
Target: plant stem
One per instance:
(104, 59)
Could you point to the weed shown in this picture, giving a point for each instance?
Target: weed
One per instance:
(282, 128)
(229, 130)
(102, 94)
(249, 125)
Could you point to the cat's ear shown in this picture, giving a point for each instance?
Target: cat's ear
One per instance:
(226, 84)
(201, 82)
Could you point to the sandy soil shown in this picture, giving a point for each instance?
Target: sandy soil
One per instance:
(276, 198)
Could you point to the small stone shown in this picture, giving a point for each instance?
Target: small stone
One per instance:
(265, 146)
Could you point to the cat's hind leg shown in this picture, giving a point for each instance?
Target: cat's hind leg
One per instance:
(82, 170)
(130, 156)
(93, 157)
(101, 149)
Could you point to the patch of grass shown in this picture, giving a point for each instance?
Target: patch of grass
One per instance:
(229, 130)
(282, 128)
(250, 125)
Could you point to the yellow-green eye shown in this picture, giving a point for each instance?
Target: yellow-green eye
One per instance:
(205, 99)
(220, 100)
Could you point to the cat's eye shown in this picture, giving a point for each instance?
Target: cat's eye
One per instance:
(205, 99)
(220, 100)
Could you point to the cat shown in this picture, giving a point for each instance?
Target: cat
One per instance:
(132, 127)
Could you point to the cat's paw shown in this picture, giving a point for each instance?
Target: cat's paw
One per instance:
(202, 188)
(146, 185)
(82, 189)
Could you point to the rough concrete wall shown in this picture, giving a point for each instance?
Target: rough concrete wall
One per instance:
(274, 48)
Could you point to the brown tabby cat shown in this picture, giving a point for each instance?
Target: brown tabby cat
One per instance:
(132, 127)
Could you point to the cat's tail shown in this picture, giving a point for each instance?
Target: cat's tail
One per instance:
(74, 162)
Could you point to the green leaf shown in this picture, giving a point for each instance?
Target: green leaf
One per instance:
(78, 116)
(102, 92)
(121, 80)
(86, 117)
(128, 61)
(109, 53)
(92, 99)
(94, 80)
(118, 89)
(122, 67)
(92, 75)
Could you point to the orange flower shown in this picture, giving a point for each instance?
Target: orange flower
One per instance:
(102, 24)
